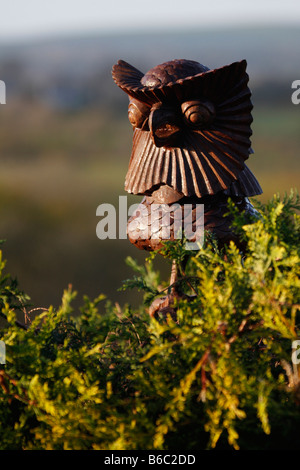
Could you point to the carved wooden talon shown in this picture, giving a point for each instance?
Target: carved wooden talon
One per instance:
(163, 306)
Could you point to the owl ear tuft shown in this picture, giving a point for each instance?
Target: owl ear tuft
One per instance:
(126, 76)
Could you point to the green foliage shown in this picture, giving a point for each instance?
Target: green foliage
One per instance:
(220, 376)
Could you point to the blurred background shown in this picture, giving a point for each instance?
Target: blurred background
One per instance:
(65, 140)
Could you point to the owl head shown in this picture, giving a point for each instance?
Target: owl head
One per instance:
(191, 126)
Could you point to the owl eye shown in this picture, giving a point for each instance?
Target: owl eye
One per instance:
(198, 114)
(138, 114)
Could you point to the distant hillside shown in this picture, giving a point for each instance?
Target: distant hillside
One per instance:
(74, 71)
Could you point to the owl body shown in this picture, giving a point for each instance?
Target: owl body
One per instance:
(155, 221)
(192, 129)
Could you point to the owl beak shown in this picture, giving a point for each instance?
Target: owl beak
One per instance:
(164, 126)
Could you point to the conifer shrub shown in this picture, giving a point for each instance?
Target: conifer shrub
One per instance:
(218, 376)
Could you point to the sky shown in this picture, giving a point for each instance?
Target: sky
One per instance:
(30, 18)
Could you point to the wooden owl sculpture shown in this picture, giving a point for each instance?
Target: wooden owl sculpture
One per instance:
(190, 142)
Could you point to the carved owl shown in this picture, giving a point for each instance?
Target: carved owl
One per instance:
(192, 129)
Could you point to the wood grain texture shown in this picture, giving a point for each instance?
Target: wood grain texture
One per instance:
(192, 130)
